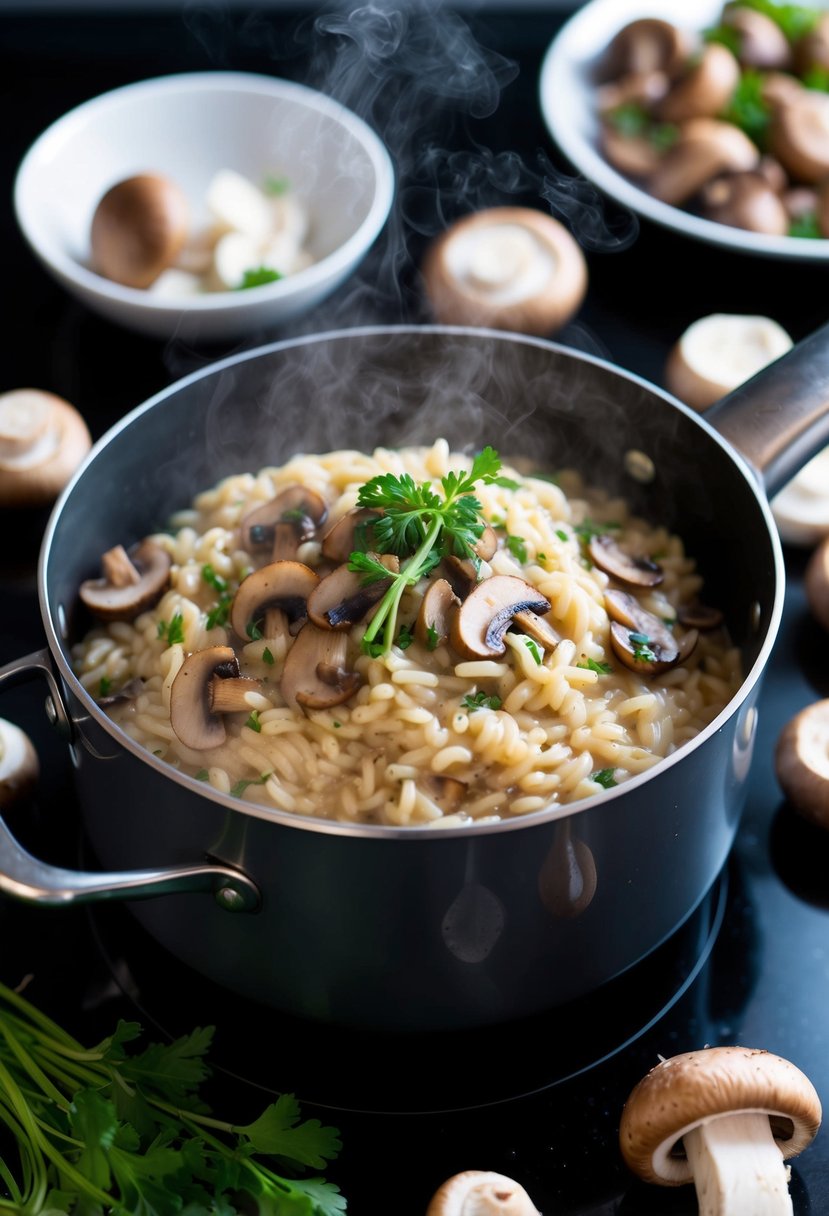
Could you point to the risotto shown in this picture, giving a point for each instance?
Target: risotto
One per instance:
(570, 653)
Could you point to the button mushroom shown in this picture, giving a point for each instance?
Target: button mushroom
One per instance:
(283, 524)
(706, 147)
(131, 581)
(508, 268)
(487, 612)
(718, 352)
(207, 685)
(19, 766)
(817, 583)
(705, 87)
(760, 41)
(725, 1118)
(315, 675)
(745, 200)
(342, 598)
(799, 135)
(801, 512)
(43, 439)
(481, 1193)
(138, 229)
(641, 640)
(811, 50)
(802, 762)
(648, 44)
(277, 595)
(614, 560)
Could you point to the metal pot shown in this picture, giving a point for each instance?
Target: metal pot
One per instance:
(424, 928)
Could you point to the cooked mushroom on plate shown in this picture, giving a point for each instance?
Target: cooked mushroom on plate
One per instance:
(405, 637)
(730, 122)
(726, 1119)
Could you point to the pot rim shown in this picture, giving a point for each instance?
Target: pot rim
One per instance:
(382, 831)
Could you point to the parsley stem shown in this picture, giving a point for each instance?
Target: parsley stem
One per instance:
(386, 613)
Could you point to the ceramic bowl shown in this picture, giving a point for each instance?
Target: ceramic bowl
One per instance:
(187, 127)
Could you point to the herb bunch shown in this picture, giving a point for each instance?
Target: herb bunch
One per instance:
(110, 1129)
(420, 526)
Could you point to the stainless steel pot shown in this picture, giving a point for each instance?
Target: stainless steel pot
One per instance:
(424, 928)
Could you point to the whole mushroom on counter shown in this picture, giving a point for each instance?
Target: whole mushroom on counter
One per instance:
(726, 1119)
(43, 440)
(481, 1193)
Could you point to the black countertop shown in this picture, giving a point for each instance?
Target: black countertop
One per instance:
(542, 1103)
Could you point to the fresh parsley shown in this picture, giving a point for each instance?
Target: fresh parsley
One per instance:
(253, 631)
(562, 535)
(517, 547)
(806, 226)
(641, 647)
(122, 1127)
(275, 186)
(601, 669)
(535, 650)
(202, 775)
(605, 777)
(480, 700)
(172, 631)
(432, 638)
(253, 721)
(420, 525)
(747, 108)
(267, 657)
(239, 788)
(405, 637)
(257, 277)
(213, 579)
(104, 685)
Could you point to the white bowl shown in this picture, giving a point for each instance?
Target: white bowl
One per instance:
(187, 127)
(568, 104)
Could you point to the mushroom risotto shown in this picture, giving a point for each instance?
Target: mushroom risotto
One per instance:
(406, 638)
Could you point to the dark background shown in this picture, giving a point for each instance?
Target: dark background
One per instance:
(457, 104)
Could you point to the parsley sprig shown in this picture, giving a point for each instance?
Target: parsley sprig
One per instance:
(421, 526)
(122, 1128)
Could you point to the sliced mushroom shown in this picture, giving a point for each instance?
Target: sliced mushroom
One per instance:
(706, 147)
(745, 200)
(487, 613)
(281, 588)
(536, 627)
(283, 524)
(634, 155)
(645, 45)
(481, 1193)
(704, 89)
(486, 544)
(699, 616)
(340, 540)
(641, 640)
(131, 583)
(799, 135)
(315, 675)
(638, 88)
(208, 685)
(447, 792)
(612, 558)
(437, 610)
(343, 597)
(761, 42)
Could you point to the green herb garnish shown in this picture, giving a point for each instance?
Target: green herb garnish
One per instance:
(405, 637)
(806, 226)
(267, 657)
(258, 277)
(605, 777)
(517, 547)
(202, 775)
(253, 721)
(239, 788)
(419, 526)
(795, 20)
(213, 579)
(480, 700)
(562, 535)
(275, 186)
(601, 669)
(172, 631)
(123, 1128)
(641, 647)
(726, 36)
(219, 613)
(507, 483)
(587, 529)
(253, 631)
(432, 638)
(747, 108)
(104, 686)
(535, 650)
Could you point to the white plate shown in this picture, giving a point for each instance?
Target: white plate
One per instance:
(567, 97)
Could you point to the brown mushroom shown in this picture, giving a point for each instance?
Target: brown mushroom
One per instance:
(643, 46)
(510, 268)
(276, 594)
(343, 597)
(283, 524)
(822, 208)
(633, 155)
(625, 567)
(341, 539)
(699, 616)
(745, 200)
(447, 792)
(437, 609)
(779, 88)
(487, 612)
(773, 173)
(19, 767)
(43, 439)
(725, 1118)
(639, 89)
(206, 686)
(706, 147)
(641, 640)
(803, 201)
(816, 582)
(811, 51)
(799, 135)
(718, 352)
(138, 229)
(481, 1193)
(132, 581)
(761, 42)
(315, 675)
(704, 89)
(802, 762)
(537, 628)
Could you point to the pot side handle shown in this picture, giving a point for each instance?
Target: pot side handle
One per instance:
(24, 877)
(779, 419)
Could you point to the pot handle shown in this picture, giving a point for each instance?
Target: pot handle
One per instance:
(779, 419)
(24, 877)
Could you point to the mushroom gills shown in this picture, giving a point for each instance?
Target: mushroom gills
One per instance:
(486, 614)
(315, 675)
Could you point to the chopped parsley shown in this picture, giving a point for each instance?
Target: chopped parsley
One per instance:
(562, 535)
(253, 721)
(601, 669)
(253, 631)
(806, 226)
(213, 579)
(641, 647)
(432, 638)
(173, 631)
(267, 657)
(534, 649)
(633, 122)
(275, 186)
(220, 612)
(605, 777)
(517, 547)
(587, 529)
(258, 277)
(202, 775)
(507, 483)
(104, 686)
(405, 637)
(239, 788)
(480, 700)
(748, 109)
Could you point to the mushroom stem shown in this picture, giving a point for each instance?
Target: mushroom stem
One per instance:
(229, 695)
(117, 568)
(738, 1167)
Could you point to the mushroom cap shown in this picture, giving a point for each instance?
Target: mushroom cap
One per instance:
(687, 1090)
(339, 540)
(479, 625)
(761, 41)
(706, 147)
(342, 598)
(745, 200)
(621, 565)
(138, 229)
(817, 583)
(43, 439)
(705, 88)
(647, 44)
(190, 714)
(811, 51)
(634, 155)
(296, 505)
(720, 351)
(19, 767)
(801, 761)
(123, 603)
(801, 512)
(511, 268)
(315, 675)
(799, 135)
(481, 1193)
(284, 585)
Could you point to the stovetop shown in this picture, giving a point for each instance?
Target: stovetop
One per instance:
(539, 1101)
